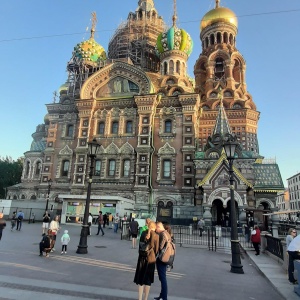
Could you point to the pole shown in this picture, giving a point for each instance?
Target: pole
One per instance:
(48, 194)
(82, 247)
(236, 266)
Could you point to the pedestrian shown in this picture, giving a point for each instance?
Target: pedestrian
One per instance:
(255, 239)
(46, 221)
(100, 223)
(294, 253)
(32, 218)
(144, 273)
(45, 244)
(20, 217)
(201, 224)
(54, 227)
(116, 222)
(65, 239)
(13, 220)
(2, 225)
(161, 266)
(247, 233)
(134, 229)
(292, 233)
(90, 221)
(104, 220)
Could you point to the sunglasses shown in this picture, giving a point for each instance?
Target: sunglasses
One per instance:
(294, 232)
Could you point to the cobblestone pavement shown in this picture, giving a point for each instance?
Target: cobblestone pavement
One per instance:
(107, 271)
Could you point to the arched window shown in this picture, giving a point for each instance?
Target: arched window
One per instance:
(206, 42)
(219, 68)
(27, 168)
(70, 130)
(38, 168)
(115, 127)
(219, 37)
(166, 168)
(168, 126)
(129, 127)
(225, 37)
(178, 67)
(98, 164)
(112, 167)
(212, 39)
(65, 168)
(101, 128)
(165, 68)
(126, 168)
(171, 67)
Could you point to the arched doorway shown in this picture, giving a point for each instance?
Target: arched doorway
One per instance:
(218, 213)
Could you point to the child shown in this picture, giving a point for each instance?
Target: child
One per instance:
(65, 239)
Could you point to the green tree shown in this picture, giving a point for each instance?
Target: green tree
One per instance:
(10, 173)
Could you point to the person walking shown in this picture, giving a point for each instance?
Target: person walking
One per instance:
(20, 217)
(13, 221)
(161, 266)
(100, 223)
(54, 227)
(65, 239)
(144, 273)
(255, 239)
(134, 229)
(201, 224)
(46, 221)
(294, 253)
(2, 225)
(90, 221)
(116, 222)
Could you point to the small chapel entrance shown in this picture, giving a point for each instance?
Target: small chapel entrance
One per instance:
(221, 214)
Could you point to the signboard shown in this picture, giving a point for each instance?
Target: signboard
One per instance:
(165, 212)
(195, 218)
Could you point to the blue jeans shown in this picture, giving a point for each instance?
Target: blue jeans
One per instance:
(292, 256)
(100, 228)
(162, 275)
(116, 225)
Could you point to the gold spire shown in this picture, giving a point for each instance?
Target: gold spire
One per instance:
(94, 22)
(217, 3)
(175, 14)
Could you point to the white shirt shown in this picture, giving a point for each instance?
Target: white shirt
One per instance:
(295, 244)
(90, 219)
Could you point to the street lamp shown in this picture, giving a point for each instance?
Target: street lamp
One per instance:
(48, 193)
(93, 148)
(230, 145)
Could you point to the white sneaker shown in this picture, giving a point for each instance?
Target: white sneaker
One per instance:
(65, 252)
(62, 252)
(53, 249)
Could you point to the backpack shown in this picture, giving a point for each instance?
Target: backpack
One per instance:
(144, 248)
(20, 217)
(46, 241)
(167, 253)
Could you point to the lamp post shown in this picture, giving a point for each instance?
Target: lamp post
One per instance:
(48, 193)
(230, 145)
(93, 148)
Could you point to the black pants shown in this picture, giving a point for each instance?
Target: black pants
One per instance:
(64, 248)
(100, 228)
(256, 247)
(19, 224)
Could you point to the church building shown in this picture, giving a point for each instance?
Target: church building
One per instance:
(161, 132)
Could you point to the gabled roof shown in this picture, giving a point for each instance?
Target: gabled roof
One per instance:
(216, 166)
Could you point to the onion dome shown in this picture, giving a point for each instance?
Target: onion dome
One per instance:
(90, 50)
(174, 39)
(219, 14)
(63, 88)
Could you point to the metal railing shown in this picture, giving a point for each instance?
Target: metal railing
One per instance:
(274, 246)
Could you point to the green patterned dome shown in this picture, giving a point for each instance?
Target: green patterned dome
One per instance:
(174, 39)
(90, 51)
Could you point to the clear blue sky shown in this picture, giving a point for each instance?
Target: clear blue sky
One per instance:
(33, 68)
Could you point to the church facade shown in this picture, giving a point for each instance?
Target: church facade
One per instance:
(160, 130)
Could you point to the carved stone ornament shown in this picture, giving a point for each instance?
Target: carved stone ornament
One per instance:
(166, 150)
(66, 151)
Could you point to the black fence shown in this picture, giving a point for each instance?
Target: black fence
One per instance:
(274, 246)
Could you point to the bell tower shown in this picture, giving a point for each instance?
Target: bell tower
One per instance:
(220, 70)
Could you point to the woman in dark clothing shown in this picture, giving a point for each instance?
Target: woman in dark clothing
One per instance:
(144, 273)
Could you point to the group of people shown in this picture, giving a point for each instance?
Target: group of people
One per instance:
(50, 230)
(156, 236)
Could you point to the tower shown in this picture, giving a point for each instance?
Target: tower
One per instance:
(221, 68)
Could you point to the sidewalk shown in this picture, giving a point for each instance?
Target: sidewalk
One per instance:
(274, 273)
(107, 271)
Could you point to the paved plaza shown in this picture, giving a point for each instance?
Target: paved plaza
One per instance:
(107, 271)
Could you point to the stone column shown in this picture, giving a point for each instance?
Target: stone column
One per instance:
(275, 223)
(207, 216)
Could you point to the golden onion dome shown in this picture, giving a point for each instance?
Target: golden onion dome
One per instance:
(63, 88)
(219, 14)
